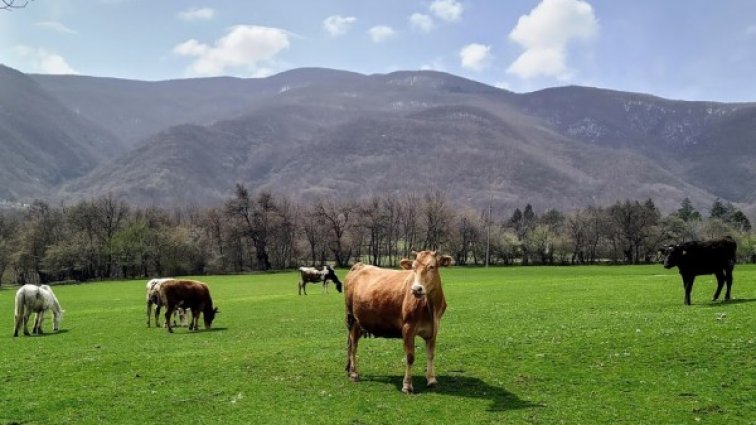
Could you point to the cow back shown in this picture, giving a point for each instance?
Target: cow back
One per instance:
(707, 257)
(186, 293)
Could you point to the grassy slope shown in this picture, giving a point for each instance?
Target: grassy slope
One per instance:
(518, 345)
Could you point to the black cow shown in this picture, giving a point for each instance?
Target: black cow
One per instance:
(696, 258)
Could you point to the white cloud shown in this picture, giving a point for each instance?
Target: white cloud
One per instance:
(475, 56)
(197, 14)
(263, 72)
(420, 22)
(448, 10)
(44, 61)
(191, 48)
(545, 34)
(337, 25)
(435, 65)
(55, 26)
(381, 33)
(244, 47)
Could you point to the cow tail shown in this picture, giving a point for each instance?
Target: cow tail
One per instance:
(20, 303)
(350, 321)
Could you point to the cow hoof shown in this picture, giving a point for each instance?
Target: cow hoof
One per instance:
(407, 389)
(432, 382)
(354, 377)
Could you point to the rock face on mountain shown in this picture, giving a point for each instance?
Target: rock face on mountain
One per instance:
(315, 132)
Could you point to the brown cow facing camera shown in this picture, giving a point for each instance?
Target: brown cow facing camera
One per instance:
(189, 294)
(396, 304)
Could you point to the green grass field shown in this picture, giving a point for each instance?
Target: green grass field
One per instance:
(549, 345)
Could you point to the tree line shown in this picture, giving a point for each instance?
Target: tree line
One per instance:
(106, 237)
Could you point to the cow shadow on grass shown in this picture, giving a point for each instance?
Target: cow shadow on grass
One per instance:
(728, 302)
(462, 386)
(47, 333)
(188, 332)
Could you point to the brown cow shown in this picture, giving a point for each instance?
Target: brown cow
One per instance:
(396, 304)
(189, 294)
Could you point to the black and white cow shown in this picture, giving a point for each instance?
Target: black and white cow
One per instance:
(319, 274)
(716, 256)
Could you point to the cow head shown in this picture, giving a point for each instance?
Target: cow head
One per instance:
(332, 276)
(209, 315)
(672, 254)
(57, 318)
(425, 270)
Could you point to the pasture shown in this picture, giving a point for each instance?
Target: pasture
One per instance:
(547, 345)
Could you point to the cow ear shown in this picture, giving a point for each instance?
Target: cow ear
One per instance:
(445, 261)
(406, 264)
(414, 253)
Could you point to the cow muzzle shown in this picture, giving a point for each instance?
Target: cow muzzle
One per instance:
(418, 290)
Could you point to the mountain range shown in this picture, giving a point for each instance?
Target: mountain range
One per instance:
(311, 133)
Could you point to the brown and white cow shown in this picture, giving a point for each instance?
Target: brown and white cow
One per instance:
(396, 304)
(153, 298)
(189, 294)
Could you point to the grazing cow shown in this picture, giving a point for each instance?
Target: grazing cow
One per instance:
(396, 304)
(320, 274)
(693, 259)
(189, 294)
(36, 299)
(153, 298)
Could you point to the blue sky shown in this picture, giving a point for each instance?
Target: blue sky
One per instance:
(691, 49)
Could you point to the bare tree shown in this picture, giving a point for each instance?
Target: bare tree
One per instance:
(8, 229)
(13, 4)
(111, 215)
(337, 215)
(255, 217)
(437, 218)
(392, 209)
(373, 220)
(314, 228)
(409, 219)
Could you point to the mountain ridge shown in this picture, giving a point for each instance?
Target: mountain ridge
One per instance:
(569, 146)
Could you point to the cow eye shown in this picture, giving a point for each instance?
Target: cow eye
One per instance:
(430, 267)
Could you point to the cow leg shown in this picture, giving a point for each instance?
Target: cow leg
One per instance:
(183, 317)
(728, 280)
(149, 312)
(20, 321)
(168, 313)
(38, 323)
(178, 316)
(408, 335)
(195, 319)
(352, 341)
(299, 286)
(26, 323)
(430, 373)
(720, 284)
(688, 285)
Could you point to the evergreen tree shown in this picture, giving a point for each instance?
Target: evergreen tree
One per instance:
(687, 212)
